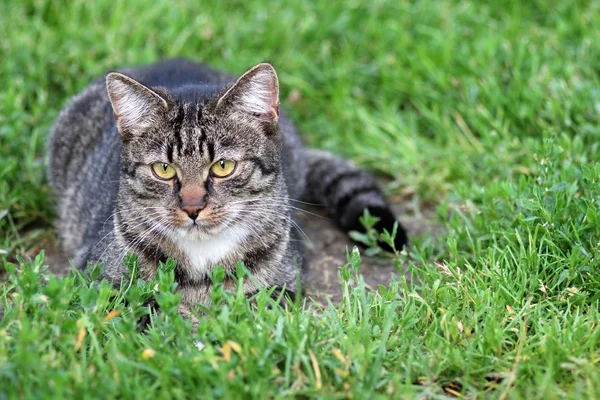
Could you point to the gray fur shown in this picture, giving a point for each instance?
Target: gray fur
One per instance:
(109, 202)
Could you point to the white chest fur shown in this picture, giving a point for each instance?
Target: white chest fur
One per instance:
(203, 254)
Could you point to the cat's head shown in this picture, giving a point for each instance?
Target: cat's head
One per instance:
(196, 167)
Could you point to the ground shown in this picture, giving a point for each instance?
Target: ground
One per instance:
(326, 247)
(482, 119)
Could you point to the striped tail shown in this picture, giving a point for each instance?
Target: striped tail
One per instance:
(346, 191)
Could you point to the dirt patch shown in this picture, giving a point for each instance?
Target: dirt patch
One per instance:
(325, 250)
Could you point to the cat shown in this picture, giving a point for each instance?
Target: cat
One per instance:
(178, 160)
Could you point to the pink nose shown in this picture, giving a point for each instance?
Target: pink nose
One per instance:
(192, 200)
(194, 209)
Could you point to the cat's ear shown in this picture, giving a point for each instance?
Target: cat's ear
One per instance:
(136, 107)
(256, 93)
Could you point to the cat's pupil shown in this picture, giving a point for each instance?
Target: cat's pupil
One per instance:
(165, 166)
(222, 163)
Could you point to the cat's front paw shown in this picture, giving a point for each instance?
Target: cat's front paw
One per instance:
(187, 312)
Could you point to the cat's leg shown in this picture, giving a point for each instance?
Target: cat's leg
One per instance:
(346, 191)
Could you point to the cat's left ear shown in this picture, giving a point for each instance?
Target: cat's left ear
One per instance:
(136, 106)
(256, 93)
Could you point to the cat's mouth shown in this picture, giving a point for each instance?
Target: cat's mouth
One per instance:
(208, 223)
(201, 226)
(199, 231)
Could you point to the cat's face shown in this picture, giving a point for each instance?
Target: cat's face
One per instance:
(195, 169)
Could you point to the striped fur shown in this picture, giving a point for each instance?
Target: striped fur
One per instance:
(187, 115)
(346, 191)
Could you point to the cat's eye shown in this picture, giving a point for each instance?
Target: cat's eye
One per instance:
(163, 171)
(223, 168)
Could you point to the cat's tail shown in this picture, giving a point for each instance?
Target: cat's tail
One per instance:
(346, 191)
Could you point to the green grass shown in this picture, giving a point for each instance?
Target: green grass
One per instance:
(487, 110)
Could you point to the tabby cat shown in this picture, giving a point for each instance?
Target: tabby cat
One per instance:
(178, 160)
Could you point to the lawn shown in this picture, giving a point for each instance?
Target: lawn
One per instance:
(487, 111)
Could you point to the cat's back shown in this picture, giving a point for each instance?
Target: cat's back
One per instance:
(81, 129)
(78, 128)
(177, 72)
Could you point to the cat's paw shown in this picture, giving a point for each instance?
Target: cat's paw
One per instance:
(186, 312)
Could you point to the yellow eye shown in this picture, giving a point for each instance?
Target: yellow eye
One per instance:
(223, 168)
(163, 171)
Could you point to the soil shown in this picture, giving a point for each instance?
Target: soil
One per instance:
(325, 248)
(326, 252)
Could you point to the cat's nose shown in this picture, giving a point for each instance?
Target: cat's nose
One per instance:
(193, 210)
(192, 200)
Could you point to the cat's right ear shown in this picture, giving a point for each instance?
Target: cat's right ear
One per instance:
(136, 107)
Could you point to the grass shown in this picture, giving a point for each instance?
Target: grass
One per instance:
(487, 110)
